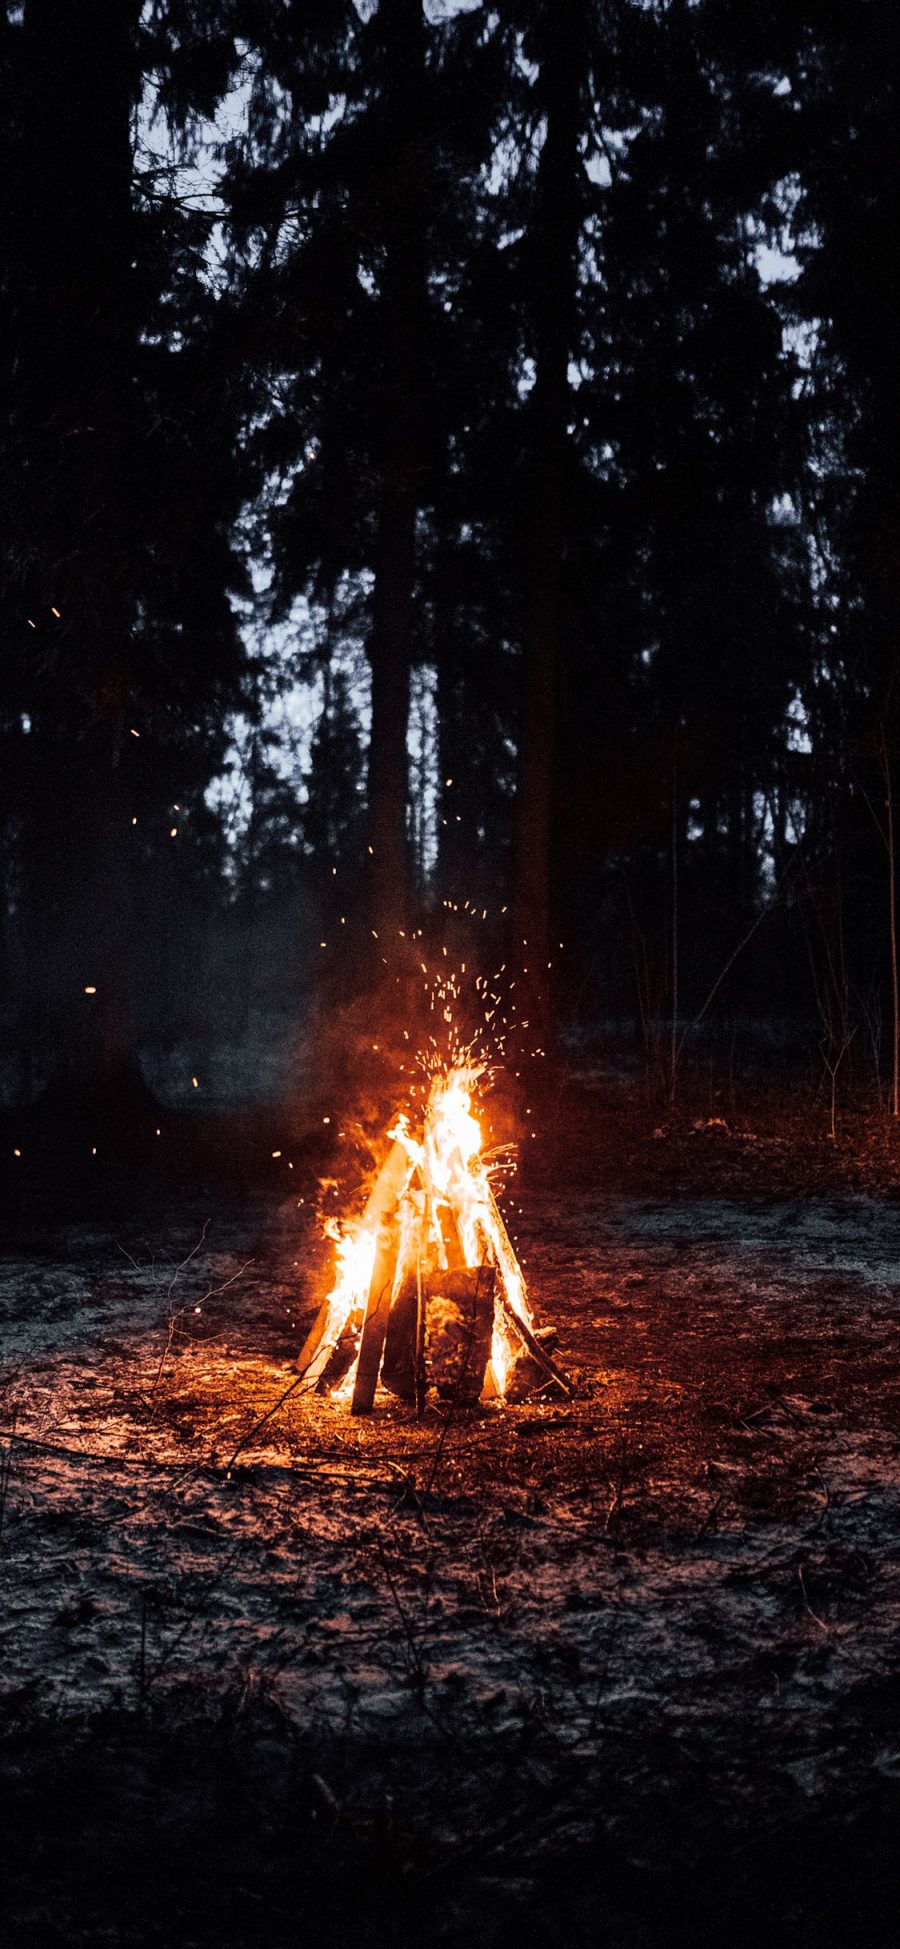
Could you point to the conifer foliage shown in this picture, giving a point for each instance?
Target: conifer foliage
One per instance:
(534, 362)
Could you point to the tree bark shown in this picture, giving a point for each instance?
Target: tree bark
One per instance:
(557, 228)
(76, 331)
(400, 486)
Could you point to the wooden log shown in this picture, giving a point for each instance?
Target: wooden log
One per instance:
(391, 1185)
(508, 1263)
(421, 1382)
(310, 1345)
(459, 1320)
(398, 1368)
(383, 1190)
(548, 1369)
(378, 1309)
(502, 1247)
(439, 1328)
(335, 1361)
(453, 1251)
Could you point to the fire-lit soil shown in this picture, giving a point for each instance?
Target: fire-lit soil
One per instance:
(627, 1664)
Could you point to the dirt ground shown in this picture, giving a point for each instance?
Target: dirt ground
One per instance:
(623, 1668)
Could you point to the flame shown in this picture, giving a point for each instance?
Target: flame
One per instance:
(445, 1194)
(355, 1255)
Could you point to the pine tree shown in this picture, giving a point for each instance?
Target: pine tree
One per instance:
(122, 492)
(350, 199)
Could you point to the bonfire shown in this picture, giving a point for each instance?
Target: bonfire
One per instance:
(428, 1289)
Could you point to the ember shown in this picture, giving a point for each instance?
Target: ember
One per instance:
(429, 1290)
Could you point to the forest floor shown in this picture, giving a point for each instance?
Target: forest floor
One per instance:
(624, 1668)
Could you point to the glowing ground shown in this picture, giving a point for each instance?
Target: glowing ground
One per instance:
(613, 1661)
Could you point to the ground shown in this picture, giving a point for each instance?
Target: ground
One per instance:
(621, 1667)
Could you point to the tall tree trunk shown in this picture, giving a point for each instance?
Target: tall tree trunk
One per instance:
(389, 657)
(400, 487)
(77, 337)
(555, 272)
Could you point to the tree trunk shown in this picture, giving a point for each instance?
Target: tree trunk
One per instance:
(402, 322)
(557, 227)
(76, 335)
(389, 657)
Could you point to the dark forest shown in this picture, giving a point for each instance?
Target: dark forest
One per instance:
(468, 437)
(449, 611)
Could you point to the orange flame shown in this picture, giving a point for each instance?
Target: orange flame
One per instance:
(443, 1175)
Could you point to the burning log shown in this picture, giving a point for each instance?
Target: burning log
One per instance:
(319, 1345)
(454, 1256)
(459, 1326)
(401, 1348)
(531, 1365)
(457, 1311)
(388, 1191)
(429, 1289)
(341, 1357)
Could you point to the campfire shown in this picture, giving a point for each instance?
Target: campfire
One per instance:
(428, 1290)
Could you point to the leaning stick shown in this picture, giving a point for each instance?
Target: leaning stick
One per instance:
(534, 1347)
(311, 1344)
(382, 1194)
(509, 1268)
(390, 1187)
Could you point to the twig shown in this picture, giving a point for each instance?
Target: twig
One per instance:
(826, 1493)
(254, 1431)
(729, 964)
(92, 1456)
(708, 1520)
(616, 1504)
(815, 1618)
(148, 1678)
(191, 1255)
(212, 1293)
(410, 1490)
(418, 1663)
(174, 1317)
(127, 1255)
